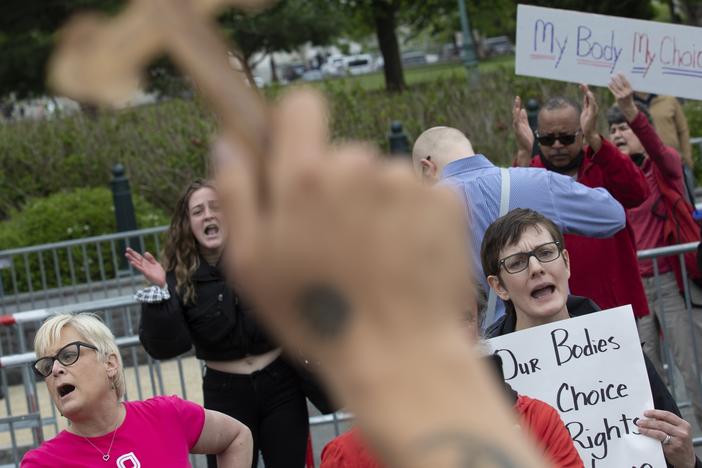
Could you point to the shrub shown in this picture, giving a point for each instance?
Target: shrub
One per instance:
(164, 146)
(84, 212)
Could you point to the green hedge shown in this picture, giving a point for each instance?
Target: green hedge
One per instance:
(164, 146)
(84, 212)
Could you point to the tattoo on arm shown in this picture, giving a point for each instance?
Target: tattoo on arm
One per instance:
(471, 451)
(324, 310)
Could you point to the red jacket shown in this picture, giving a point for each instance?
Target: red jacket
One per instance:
(542, 421)
(606, 270)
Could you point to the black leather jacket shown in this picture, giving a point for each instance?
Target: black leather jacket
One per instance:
(218, 323)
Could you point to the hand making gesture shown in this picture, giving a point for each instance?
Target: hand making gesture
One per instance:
(588, 118)
(353, 262)
(148, 266)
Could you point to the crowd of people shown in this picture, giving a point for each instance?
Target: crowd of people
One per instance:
(388, 283)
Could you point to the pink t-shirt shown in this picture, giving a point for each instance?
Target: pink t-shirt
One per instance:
(155, 432)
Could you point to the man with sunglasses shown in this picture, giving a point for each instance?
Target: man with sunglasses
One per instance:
(569, 144)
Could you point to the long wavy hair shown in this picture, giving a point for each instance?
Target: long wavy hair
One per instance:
(180, 251)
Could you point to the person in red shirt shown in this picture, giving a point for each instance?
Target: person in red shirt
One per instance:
(631, 131)
(603, 267)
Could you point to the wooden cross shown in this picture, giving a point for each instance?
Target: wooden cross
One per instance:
(100, 60)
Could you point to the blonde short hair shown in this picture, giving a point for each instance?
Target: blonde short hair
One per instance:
(91, 328)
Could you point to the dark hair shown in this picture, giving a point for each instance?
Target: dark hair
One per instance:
(180, 252)
(615, 115)
(506, 231)
(559, 102)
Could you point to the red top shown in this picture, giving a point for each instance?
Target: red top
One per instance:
(648, 228)
(605, 269)
(543, 422)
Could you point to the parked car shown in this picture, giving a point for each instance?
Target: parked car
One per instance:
(415, 57)
(500, 45)
(312, 75)
(359, 64)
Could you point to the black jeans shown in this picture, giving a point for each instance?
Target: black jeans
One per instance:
(271, 403)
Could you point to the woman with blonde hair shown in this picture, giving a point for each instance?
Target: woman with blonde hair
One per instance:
(81, 364)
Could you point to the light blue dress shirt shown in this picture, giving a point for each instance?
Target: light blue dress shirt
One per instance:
(575, 208)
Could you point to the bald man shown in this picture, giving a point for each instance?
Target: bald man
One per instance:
(445, 155)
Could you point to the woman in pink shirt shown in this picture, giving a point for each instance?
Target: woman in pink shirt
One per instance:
(82, 366)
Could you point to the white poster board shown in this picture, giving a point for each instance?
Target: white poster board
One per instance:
(591, 370)
(578, 47)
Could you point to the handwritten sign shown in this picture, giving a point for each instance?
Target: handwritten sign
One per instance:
(591, 370)
(582, 47)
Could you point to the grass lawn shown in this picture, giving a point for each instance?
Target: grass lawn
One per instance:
(413, 75)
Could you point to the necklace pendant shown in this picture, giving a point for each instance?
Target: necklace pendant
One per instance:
(106, 457)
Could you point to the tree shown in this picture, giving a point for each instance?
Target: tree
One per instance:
(640, 9)
(27, 35)
(286, 26)
(383, 17)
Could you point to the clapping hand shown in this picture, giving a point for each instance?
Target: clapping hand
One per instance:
(148, 266)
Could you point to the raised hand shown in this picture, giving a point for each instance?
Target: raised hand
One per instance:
(588, 118)
(624, 94)
(148, 266)
(354, 263)
(520, 124)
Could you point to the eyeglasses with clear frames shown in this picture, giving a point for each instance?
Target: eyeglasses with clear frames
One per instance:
(519, 262)
(68, 355)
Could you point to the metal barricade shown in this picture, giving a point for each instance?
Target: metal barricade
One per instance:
(676, 253)
(71, 271)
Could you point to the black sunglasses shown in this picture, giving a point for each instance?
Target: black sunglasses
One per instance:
(67, 356)
(549, 140)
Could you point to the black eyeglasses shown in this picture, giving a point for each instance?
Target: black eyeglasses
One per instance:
(549, 140)
(520, 261)
(67, 356)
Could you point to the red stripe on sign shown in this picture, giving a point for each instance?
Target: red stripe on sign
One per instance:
(7, 320)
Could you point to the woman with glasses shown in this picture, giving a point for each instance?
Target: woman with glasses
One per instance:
(82, 367)
(190, 303)
(526, 265)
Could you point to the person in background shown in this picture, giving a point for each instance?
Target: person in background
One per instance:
(631, 131)
(190, 304)
(82, 367)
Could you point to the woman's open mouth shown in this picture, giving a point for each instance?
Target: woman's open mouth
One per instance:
(65, 389)
(544, 291)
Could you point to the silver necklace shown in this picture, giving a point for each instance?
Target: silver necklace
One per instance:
(105, 456)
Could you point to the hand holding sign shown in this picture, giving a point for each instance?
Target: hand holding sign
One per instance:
(588, 119)
(674, 433)
(622, 91)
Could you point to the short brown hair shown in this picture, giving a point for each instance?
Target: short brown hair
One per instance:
(507, 230)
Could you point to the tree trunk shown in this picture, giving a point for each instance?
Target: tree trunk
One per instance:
(385, 24)
(674, 17)
(274, 70)
(693, 12)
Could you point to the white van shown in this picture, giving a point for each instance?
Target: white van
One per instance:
(359, 64)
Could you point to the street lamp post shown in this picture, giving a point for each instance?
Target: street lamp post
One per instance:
(469, 58)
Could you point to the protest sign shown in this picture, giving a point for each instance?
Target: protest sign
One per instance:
(591, 370)
(587, 48)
